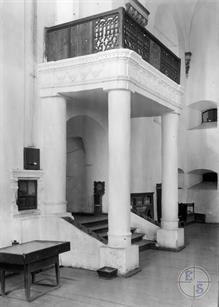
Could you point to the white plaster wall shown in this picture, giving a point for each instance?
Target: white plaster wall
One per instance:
(18, 52)
(91, 7)
(203, 149)
(202, 84)
(203, 153)
(84, 248)
(162, 25)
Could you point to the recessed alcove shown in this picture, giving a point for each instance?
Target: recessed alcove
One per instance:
(203, 179)
(202, 115)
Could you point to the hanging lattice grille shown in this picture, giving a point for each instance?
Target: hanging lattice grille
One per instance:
(135, 38)
(106, 33)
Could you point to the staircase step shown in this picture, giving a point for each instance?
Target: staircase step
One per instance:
(98, 227)
(103, 234)
(145, 244)
(133, 229)
(137, 237)
(91, 219)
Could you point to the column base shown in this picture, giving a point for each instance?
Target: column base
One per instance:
(125, 260)
(119, 241)
(170, 239)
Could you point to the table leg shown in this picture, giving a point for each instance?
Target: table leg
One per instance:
(57, 271)
(27, 282)
(33, 277)
(2, 277)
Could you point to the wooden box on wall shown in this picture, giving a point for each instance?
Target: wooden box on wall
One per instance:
(31, 158)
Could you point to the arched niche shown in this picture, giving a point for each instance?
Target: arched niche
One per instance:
(196, 109)
(88, 138)
(203, 179)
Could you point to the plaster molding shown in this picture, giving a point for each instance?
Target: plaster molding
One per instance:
(113, 69)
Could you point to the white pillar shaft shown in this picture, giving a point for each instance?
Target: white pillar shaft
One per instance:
(119, 105)
(54, 153)
(170, 171)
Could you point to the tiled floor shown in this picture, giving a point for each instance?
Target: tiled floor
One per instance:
(156, 285)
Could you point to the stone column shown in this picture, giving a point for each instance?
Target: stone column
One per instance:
(170, 236)
(54, 153)
(119, 253)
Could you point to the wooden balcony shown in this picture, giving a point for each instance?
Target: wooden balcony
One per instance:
(111, 30)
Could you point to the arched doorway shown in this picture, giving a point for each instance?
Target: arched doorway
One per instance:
(86, 163)
(75, 175)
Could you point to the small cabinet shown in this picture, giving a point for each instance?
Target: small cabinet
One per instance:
(27, 195)
(143, 204)
(31, 158)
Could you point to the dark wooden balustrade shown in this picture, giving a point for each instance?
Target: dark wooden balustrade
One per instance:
(111, 30)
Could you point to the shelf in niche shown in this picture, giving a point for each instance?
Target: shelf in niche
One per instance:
(204, 186)
(209, 125)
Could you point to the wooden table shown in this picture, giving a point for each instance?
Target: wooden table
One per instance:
(30, 258)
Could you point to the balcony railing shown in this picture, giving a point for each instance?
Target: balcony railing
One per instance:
(111, 30)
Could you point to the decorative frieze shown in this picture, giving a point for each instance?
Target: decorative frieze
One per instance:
(118, 68)
(138, 12)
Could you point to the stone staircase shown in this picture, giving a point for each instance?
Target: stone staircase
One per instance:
(97, 226)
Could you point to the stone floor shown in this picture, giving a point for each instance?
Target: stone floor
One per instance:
(156, 285)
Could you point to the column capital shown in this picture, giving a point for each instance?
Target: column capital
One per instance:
(56, 96)
(171, 113)
(119, 88)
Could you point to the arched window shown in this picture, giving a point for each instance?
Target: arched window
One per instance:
(209, 116)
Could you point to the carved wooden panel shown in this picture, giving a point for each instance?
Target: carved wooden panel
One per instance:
(57, 44)
(81, 39)
(106, 32)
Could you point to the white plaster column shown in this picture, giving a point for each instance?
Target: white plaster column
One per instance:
(54, 153)
(119, 125)
(119, 253)
(170, 236)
